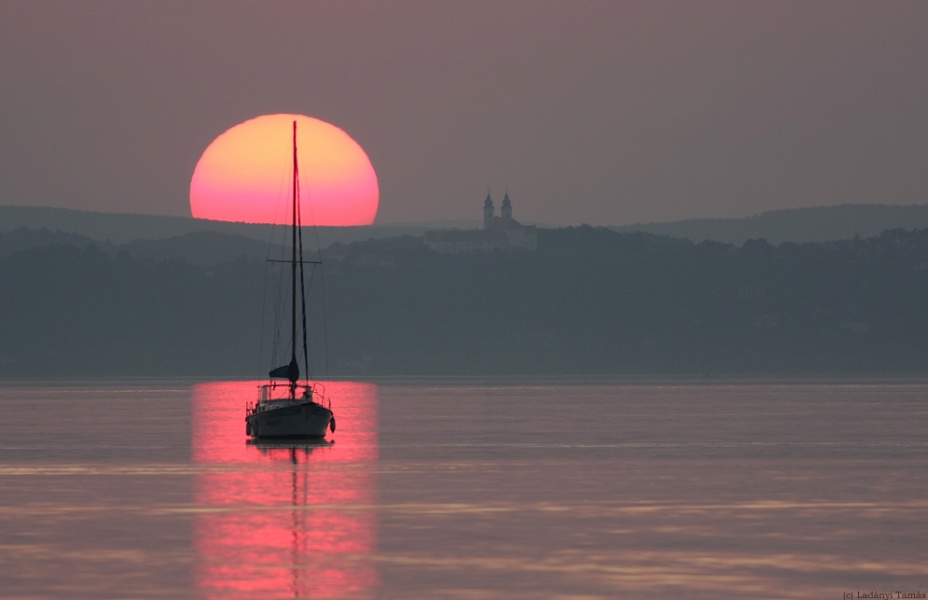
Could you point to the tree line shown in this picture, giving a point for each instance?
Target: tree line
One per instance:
(589, 301)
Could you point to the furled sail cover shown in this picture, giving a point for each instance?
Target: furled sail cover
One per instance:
(291, 372)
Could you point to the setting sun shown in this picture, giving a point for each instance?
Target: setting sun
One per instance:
(244, 175)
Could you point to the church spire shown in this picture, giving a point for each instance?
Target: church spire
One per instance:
(506, 208)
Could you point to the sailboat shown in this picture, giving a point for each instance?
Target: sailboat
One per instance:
(290, 410)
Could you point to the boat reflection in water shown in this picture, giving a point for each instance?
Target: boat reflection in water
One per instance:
(284, 519)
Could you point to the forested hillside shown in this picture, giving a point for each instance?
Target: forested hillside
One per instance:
(809, 224)
(589, 301)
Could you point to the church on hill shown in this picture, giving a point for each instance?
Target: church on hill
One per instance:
(500, 232)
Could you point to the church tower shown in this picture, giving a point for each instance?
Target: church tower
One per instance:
(506, 209)
(488, 212)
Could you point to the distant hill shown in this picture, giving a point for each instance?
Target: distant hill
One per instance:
(22, 238)
(818, 224)
(119, 228)
(204, 249)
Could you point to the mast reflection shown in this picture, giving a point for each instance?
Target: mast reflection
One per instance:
(285, 520)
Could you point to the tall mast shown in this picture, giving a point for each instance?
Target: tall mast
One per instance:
(293, 280)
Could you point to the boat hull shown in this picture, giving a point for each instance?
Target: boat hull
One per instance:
(302, 420)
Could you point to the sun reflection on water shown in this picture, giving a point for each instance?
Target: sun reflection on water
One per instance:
(285, 519)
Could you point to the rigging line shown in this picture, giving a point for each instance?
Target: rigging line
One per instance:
(316, 235)
(279, 294)
(280, 310)
(263, 319)
(278, 350)
(325, 332)
(324, 324)
(285, 286)
(315, 230)
(269, 276)
(299, 220)
(263, 315)
(309, 286)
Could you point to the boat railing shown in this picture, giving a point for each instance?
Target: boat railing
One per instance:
(319, 396)
(316, 393)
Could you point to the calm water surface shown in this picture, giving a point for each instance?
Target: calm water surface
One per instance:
(467, 489)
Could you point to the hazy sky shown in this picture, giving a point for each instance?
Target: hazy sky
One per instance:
(600, 112)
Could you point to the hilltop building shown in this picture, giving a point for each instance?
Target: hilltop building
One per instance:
(500, 232)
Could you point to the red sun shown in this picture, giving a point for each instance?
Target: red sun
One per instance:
(245, 175)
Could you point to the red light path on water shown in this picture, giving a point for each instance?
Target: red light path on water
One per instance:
(277, 520)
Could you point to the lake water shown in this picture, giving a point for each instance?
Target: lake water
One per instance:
(467, 489)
